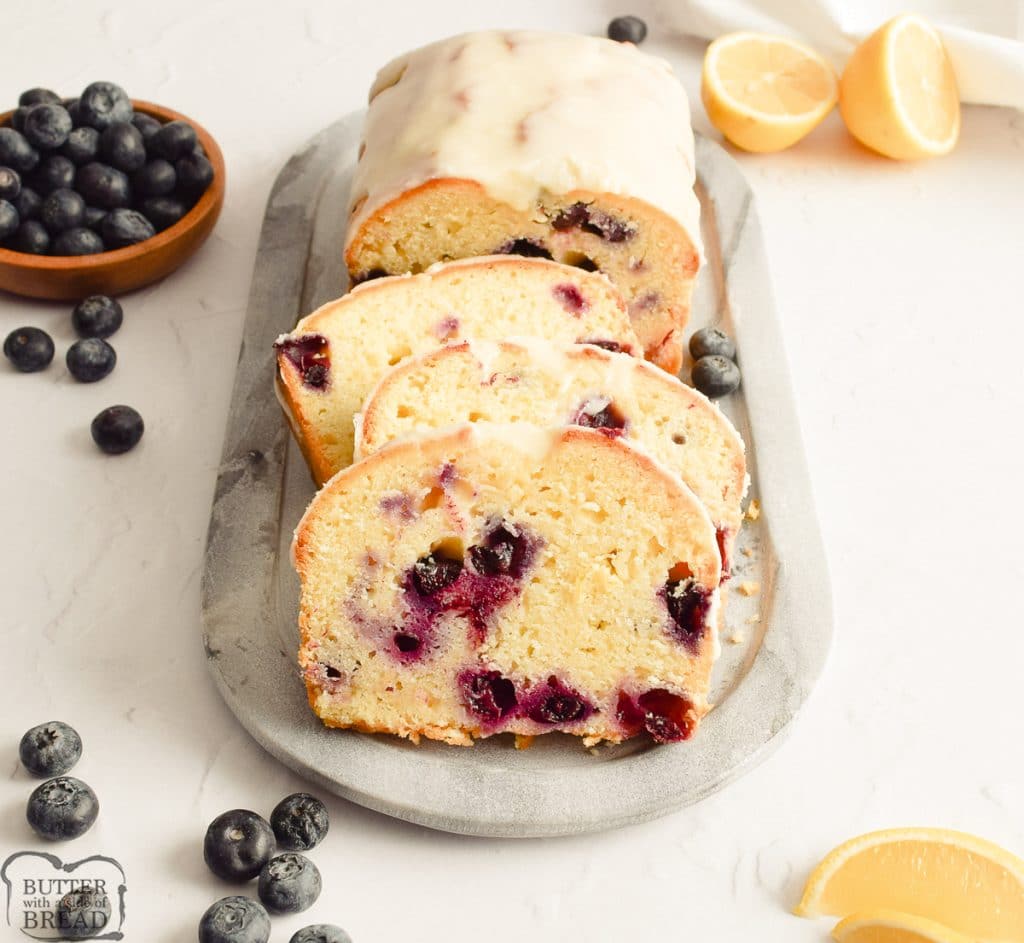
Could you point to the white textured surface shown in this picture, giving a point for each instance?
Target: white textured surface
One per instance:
(898, 287)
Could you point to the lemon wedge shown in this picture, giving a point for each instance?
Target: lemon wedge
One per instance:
(965, 883)
(889, 926)
(898, 93)
(765, 93)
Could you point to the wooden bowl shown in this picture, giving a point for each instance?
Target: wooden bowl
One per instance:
(72, 277)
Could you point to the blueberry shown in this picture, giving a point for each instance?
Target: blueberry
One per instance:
(687, 605)
(9, 219)
(711, 342)
(715, 376)
(62, 808)
(121, 146)
(238, 843)
(103, 104)
(18, 117)
(82, 145)
(56, 172)
(29, 349)
(174, 139)
(195, 174)
(47, 126)
(116, 430)
(432, 573)
(123, 227)
(163, 211)
(31, 237)
(10, 184)
(83, 913)
(289, 883)
(27, 203)
(16, 152)
(157, 178)
(39, 96)
(320, 933)
(627, 29)
(103, 186)
(78, 241)
(522, 246)
(97, 316)
(234, 920)
(488, 694)
(94, 217)
(61, 210)
(74, 107)
(146, 124)
(50, 749)
(90, 359)
(299, 822)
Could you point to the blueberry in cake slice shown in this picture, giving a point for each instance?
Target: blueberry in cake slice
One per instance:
(555, 385)
(327, 365)
(494, 579)
(567, 147)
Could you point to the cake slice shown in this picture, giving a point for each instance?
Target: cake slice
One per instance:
(333, 358)
(557, 145)
(554, 385)
(508, 579)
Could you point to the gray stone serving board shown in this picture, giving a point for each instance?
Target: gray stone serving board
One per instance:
(775, 642)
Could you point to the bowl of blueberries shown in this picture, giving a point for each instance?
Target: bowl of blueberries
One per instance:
(101, 194)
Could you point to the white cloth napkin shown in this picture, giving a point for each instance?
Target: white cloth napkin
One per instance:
(984, 37)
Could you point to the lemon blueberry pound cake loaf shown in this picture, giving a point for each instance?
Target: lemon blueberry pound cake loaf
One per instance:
(333, 358)
(555, 385)
(542, 144)
(508, 579)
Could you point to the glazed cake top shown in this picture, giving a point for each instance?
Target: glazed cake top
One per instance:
(526, 112)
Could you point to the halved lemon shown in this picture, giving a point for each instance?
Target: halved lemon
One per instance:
(888, 926)
(898, 93)
(967, 884)
(765, 93)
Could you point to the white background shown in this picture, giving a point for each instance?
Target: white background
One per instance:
(899, 288)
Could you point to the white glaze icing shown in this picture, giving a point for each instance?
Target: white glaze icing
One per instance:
(527, 112)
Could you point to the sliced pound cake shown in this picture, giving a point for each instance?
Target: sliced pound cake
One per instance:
(333, 358)
(557, 145)
(508, 579)
(552, 385)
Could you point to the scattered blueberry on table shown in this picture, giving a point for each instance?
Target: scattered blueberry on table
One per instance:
(62, 808)
(101, 157)
(234, 920)
(83, 913)
(117, 429)
(29, 349)
(50, 749)
(627, 29)
(320, 933)
(90, 359)
(715, 376)
(300, 822)
(97, 316)
(238, 844)
(712, 342)
(289, 883)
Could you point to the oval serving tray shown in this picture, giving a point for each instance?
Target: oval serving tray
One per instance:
(775, 641)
